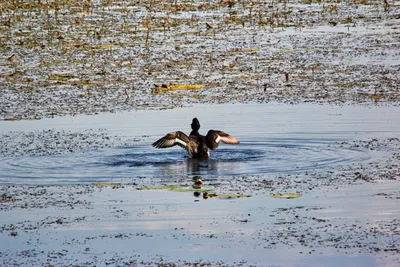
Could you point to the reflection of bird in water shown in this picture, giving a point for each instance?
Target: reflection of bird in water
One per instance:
(197, 145)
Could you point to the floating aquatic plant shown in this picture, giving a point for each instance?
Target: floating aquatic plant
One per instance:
(230, 196)
(207, 195)
(172, 87)
(286, 195)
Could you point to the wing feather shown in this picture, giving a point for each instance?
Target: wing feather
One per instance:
(215, 137)
(227, 138)
(172, 139)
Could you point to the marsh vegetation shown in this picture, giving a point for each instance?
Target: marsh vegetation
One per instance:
(73, 57)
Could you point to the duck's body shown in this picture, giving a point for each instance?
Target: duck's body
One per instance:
(197, 145)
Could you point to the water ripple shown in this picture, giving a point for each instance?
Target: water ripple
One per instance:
(251, 157)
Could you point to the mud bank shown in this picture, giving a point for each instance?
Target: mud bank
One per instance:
(68, 58)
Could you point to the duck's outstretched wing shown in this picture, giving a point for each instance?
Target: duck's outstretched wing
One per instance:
(173, 139)
(215, 137)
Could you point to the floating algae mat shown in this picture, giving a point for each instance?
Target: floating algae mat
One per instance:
(172, 87)
(286, 195)
(227, 196)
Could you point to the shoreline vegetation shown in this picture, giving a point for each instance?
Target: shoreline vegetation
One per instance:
(72, 57)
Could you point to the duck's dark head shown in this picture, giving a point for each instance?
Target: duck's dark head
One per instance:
(195, 124)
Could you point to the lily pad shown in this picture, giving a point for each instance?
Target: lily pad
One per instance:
(286, 195)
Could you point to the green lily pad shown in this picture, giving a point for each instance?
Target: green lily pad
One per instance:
(286, 195)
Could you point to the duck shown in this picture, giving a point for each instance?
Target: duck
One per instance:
(197, 145)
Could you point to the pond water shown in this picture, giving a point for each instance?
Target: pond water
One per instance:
(275, 139)
(337, 224)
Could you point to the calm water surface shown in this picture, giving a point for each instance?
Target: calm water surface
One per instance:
(275, 138)
(149, 225)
